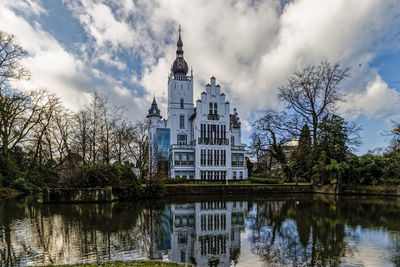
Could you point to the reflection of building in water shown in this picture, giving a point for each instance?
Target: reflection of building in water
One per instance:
(207, 233)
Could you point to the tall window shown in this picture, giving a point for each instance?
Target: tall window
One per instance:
(182, 104)
(232, 140)
(191, 159)
(210, 157)
(182, 140)
(237, 159)
(208, 133)
(182, 121)
(203, 157)
(202, 132)
(213, 108)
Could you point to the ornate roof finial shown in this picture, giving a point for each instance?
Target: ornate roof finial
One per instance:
(180, 66)
(179, 44)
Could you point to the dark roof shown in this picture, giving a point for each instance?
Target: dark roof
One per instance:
(234, 120)
(179, 67)
(154, 111)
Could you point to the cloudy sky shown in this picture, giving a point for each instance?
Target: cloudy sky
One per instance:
(124, 48)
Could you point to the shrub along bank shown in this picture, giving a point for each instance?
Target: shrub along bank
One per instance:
(139, 263)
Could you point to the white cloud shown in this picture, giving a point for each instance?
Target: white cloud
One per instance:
(29, 7)
(375, 101)
(51, 66)
(61, 72)
(250, 47)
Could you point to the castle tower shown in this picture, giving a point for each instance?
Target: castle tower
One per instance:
(180, 98)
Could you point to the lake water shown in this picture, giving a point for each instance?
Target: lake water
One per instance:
(280, 230)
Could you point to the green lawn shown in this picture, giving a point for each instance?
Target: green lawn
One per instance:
(141, 263)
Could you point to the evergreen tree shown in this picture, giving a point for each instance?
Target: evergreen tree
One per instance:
(331, 149)
(333, 138)
(302, 157)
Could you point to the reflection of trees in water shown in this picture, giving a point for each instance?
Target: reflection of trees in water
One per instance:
(394, 255)
(307, 232)
(153, 228)
(8, 255)
(41, 234)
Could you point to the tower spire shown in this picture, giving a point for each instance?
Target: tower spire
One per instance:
(180, 66)
(179, 44)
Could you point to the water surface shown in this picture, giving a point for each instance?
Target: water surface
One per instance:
(279, 230)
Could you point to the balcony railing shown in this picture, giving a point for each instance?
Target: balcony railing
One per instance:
(181, 78)
(177, 146)
(241, 147)
(184, 163)
(211, 141)
(213, 117)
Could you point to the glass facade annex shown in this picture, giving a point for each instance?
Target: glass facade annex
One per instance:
(162, 147)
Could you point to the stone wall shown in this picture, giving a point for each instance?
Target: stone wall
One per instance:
(236, 189)
(180, 190)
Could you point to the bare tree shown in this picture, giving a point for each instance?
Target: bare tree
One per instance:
(124, 133)
(395, 136)
(94, 112)
(271, 133)
(60, 135)
(110, 117)
(19, 113)
(10, 56)
(313, 92)
(138, 148)
(81, 135)
(49, 105)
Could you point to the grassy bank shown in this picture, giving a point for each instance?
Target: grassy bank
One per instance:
(141, 263)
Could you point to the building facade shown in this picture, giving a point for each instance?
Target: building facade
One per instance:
(207, 233)
(198, 142)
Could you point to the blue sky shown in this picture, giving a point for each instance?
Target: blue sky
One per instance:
(124, 49)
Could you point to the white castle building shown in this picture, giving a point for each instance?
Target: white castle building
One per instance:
(200, 142)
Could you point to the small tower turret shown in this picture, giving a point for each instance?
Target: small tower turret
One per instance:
(154, 111)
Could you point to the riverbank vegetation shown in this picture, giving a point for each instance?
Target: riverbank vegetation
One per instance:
(139, 263)
(309, 141)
